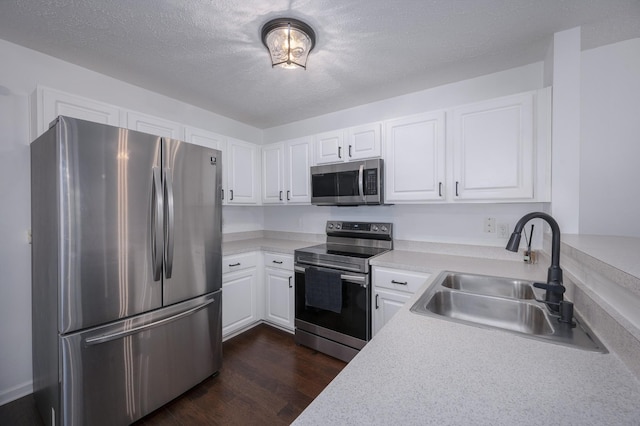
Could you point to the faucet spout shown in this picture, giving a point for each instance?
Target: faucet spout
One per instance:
(554, 287)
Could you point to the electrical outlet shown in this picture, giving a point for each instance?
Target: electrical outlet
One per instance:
(503, 230)
(490, 225)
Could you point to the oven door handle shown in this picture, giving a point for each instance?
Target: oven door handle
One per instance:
(329, 266)
(345, 277)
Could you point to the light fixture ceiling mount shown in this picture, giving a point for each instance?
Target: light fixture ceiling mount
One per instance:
(289, 42)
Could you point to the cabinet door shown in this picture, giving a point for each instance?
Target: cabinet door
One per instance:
(329, 147)
(415, 158)
(493, 149)
(204, 138)
(273, 166)
(298, 177)
(363, 142)
(279, 297)
(386, 304)
(52, 103)
(153, 125)
(242, 172)
(239, 296)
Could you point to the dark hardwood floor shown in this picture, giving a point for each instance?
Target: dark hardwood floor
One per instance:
(265, 379)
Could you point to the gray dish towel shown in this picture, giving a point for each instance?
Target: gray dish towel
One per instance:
(323, 289)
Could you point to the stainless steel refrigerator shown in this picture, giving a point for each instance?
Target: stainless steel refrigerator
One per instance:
(126, 234)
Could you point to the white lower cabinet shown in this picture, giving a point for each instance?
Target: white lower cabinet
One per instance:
(240, 282)
(391, 290)
(279, 290)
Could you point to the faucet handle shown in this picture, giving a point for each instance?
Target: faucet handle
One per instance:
(556, 288)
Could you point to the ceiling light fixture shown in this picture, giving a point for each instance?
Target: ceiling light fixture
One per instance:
(289, 42)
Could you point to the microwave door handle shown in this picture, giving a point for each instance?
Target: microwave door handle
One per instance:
(361, 182)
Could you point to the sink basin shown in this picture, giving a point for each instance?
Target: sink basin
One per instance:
(494, 286)
(502, 303)
(509, 314)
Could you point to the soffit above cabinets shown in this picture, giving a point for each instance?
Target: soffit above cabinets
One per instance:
(209, 53)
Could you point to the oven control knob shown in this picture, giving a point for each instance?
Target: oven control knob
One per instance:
(338, 226)
(384, 228)
(330, 226)
(375, 228)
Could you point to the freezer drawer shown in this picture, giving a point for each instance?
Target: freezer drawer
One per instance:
(116, 374)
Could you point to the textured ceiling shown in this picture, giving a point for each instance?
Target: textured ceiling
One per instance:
(208, 52)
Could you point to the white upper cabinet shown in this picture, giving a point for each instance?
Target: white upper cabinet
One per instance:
(329, 147)
(363, 142)
(204, 138)
(415, 158)
(493, 149)
(273, 174)
(285, 172)
(354, 143)
(243, 171)
(152, 125)
(298, 157)
(50, 103)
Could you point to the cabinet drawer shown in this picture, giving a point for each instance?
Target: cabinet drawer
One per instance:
(278, 260)
(395, 279)
(237, 262)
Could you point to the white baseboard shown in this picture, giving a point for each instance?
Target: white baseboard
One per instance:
(11, 394)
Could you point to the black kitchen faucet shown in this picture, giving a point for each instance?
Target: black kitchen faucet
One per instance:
(554, 289)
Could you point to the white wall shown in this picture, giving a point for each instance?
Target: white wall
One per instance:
(610, 148)
(22, 69)
(445, 223)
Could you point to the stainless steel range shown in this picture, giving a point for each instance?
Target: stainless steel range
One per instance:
(333, 287)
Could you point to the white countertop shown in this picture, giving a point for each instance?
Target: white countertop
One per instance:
(425, 370)
(267, 244)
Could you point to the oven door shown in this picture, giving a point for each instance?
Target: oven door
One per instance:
(352, 326)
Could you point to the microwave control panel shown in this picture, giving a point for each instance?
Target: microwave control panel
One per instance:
(371, 182)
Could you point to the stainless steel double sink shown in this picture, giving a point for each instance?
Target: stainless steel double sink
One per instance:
(502, 303)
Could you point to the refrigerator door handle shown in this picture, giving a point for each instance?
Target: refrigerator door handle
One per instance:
(124, 333)
(156, 224)
(169, 222)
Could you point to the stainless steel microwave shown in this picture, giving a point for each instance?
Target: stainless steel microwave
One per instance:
(348, 184)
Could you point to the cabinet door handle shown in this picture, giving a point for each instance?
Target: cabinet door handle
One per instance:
(439, 189)
(280, 196)
(339, 152)
(349, 151)
(457, 189)
(222, 193)
(231, 190)
(279, 262)
(399, 282)
(377, 301)
(231, 265)
(288, 198)
(290, 286)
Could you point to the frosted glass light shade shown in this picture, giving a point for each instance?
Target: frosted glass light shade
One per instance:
(289, 42)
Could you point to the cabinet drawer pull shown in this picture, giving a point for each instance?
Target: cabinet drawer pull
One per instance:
(279, 262)
(399, 282)
(231, 265)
